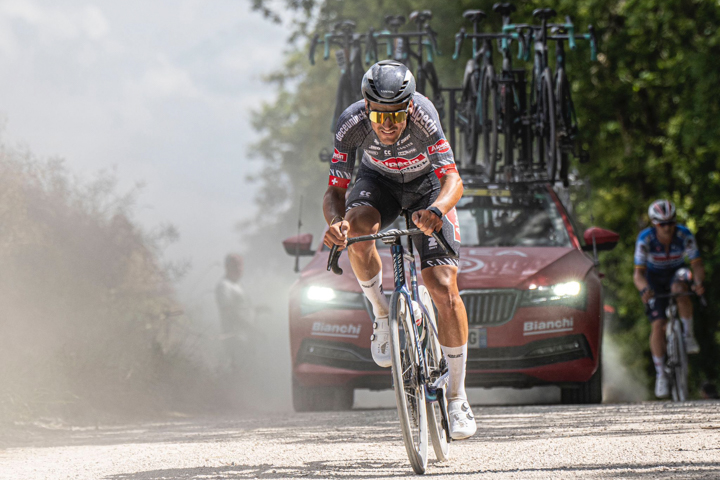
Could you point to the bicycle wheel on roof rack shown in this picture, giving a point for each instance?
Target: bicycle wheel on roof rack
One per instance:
(431, 88)
(409, 392)
(467, 119)
(546, 141)
(566, 125)
(486, 111)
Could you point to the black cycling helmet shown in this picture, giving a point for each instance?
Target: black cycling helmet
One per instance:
(388, 82)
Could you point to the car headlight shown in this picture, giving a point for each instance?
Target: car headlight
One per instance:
(315, 298)
(567, 294)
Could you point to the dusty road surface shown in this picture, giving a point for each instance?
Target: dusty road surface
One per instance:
(647, 440)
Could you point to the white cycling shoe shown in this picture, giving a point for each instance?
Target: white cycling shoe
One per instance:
(662, 386)
(380, 342)
(462, 420)
(691, 345)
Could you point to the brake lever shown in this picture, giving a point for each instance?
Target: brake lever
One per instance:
(333, 260)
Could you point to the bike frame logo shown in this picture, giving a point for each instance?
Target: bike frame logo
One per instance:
(339, 157)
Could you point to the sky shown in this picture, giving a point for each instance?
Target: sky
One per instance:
(159, 91)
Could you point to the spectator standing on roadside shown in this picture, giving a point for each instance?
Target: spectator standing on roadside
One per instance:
(235, 312)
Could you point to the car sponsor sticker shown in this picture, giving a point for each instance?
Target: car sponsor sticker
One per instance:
(552, 326)
(477, 337)
(322, 329)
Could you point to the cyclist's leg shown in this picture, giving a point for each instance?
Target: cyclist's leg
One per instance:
(658, 322)
(369, 207)
(681, 283)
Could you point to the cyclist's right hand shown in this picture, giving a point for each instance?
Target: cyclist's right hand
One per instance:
(337, 234)
(647, 294)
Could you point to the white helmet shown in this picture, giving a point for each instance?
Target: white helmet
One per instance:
(661, 211)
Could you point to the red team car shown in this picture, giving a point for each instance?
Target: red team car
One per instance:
(533, 296)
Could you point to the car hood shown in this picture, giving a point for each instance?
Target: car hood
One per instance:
(480, 268)
(516, 267)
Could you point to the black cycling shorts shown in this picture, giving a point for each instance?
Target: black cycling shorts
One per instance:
(662, 285)
(390, 198)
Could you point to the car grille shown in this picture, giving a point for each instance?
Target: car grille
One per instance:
(490, 307)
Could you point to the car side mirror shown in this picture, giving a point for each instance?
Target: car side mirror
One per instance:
(604, 239)
(299, 245)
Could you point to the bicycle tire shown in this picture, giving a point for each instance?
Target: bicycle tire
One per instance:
(547, 143)
(678, 363)
(504, 122)
(430, 77)
(489, 121)
(468, 122)
(437, 418)
(409, 394)
(564, 110)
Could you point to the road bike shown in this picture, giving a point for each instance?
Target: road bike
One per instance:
(511, 106)
(676, 360)
(419, 371)
(349, 59)
(477, 103)
(417, 47)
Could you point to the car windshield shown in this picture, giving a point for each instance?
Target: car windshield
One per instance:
(504, 218)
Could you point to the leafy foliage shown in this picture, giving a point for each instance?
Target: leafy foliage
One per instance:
(648, 115)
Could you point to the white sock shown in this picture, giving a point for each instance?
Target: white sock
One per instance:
(659, 365)
(374, 292)
(456, 358)
(687, 326)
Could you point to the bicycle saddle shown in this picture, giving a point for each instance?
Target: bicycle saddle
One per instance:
(474, 16)
(346, 26)
(421, 17)
(504, 9)
(395, 20)
(544, 13)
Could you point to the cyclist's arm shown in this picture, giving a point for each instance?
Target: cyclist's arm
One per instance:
(334, 212)
(641, 283)
(451, 190)
(698, 270)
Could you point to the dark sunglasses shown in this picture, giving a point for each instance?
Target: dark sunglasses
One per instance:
(665, 224)
(394, 117)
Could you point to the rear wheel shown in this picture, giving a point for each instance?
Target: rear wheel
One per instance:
(437, 410)
(565, 125)
(409, 393)
(321, 399)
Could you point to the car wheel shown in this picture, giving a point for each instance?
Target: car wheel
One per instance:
(321, 399)
(589, 392)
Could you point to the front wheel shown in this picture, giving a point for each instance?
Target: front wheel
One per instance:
(437, 366)
(409, 392)
(677, 364)
(547, 142)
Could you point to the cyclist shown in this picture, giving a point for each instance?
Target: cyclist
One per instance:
(660, 269)
(407, 163)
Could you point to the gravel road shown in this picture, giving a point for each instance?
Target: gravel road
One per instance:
(644, 440)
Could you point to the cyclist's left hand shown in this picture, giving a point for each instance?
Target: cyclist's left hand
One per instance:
(427, 221)
(699, 288)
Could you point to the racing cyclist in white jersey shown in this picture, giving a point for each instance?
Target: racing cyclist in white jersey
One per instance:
(406, 164)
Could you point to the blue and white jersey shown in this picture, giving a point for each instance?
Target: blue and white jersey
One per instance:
(658, 259)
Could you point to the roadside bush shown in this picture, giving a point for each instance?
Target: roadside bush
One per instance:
(87, 312)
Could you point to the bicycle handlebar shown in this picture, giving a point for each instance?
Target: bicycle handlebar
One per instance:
(335, 251)
(703, 302)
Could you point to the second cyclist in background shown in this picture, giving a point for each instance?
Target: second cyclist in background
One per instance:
(660, 269)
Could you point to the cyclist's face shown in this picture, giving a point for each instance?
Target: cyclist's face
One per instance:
(665, 230)
(388, 132)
